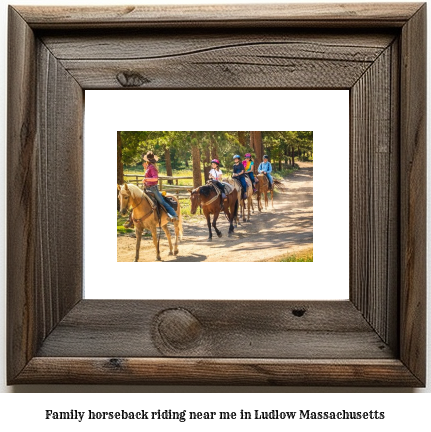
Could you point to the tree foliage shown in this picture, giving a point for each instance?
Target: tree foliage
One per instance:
(179, 149)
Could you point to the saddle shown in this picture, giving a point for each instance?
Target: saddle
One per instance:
(237, 182)
(155, 204)
(228, 188)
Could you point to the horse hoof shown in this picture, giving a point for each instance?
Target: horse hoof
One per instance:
(209, 239)
(159, 258)
(229, 234)
(176, 252)
(135, 260)
(170, 253)
(219, 235)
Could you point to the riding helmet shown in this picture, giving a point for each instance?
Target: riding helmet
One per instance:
(237, 157)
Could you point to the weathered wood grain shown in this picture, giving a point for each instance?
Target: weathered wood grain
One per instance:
(139, 44)
(261, 66)
(218, 60)
(239, 329)
(374, 194)
(300, 15)
(59, 187)
(413, 194)
(329, 372)
(45, 193)
(21, 197)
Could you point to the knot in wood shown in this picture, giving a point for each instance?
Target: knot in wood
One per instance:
(178, 329)
(131, 79)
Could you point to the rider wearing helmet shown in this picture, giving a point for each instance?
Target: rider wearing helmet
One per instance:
(248, 168)
(265, 167)
(238, 173)
(216, 174)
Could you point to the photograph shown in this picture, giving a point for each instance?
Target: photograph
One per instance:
(218, 196)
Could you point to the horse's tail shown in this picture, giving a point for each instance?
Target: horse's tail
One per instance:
(279, 185)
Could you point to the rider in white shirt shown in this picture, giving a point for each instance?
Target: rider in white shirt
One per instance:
(216, 174)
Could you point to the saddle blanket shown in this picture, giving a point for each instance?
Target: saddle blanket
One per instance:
(228, 188)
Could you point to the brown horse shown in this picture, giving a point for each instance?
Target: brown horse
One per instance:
(145, 216)
(263, 188)
(248, 200)
(209, 198)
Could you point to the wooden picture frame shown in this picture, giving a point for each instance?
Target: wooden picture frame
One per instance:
(376, 338)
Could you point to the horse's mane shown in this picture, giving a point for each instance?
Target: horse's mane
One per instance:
(135, 191)
(205, 190)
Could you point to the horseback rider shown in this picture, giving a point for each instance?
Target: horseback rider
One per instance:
(151, 178)
(248, 167)
(239, 174)
(216, 174)
(265, 167)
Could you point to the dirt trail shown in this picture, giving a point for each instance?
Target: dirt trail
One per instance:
(287, 228)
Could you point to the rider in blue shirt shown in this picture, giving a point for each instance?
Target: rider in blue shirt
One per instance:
(238, 173)
(265, 167)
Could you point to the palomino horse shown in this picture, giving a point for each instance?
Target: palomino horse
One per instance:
(145, 216)
(210, 200)
(236, 185)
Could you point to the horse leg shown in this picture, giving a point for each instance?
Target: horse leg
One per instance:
(249, 204)
(219, 234)
(177, 236)
(168, 235)
(210, 237)
(272, 197)
(156, 243)
(230, 211)
(237, 213)
(138, 233)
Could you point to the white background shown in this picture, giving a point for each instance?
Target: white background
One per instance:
(20, 410)
(324, 112)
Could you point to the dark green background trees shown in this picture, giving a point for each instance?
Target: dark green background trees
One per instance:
(195, 149)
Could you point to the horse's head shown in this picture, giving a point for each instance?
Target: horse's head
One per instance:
(195, 200)
(124, 197)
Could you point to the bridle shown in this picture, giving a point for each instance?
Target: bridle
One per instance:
(146, 215)
(212, 199)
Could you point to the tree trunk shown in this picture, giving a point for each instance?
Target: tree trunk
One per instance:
(168, 164)
(120, 171)
(279, 163)
(214, 148)
(293, 156)
(196, 158)
(256, 144)
(241, 138)
(207, 166)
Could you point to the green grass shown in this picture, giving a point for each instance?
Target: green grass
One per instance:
(120, 228)
(306, 256)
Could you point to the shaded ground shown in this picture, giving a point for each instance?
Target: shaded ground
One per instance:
(285, 229)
